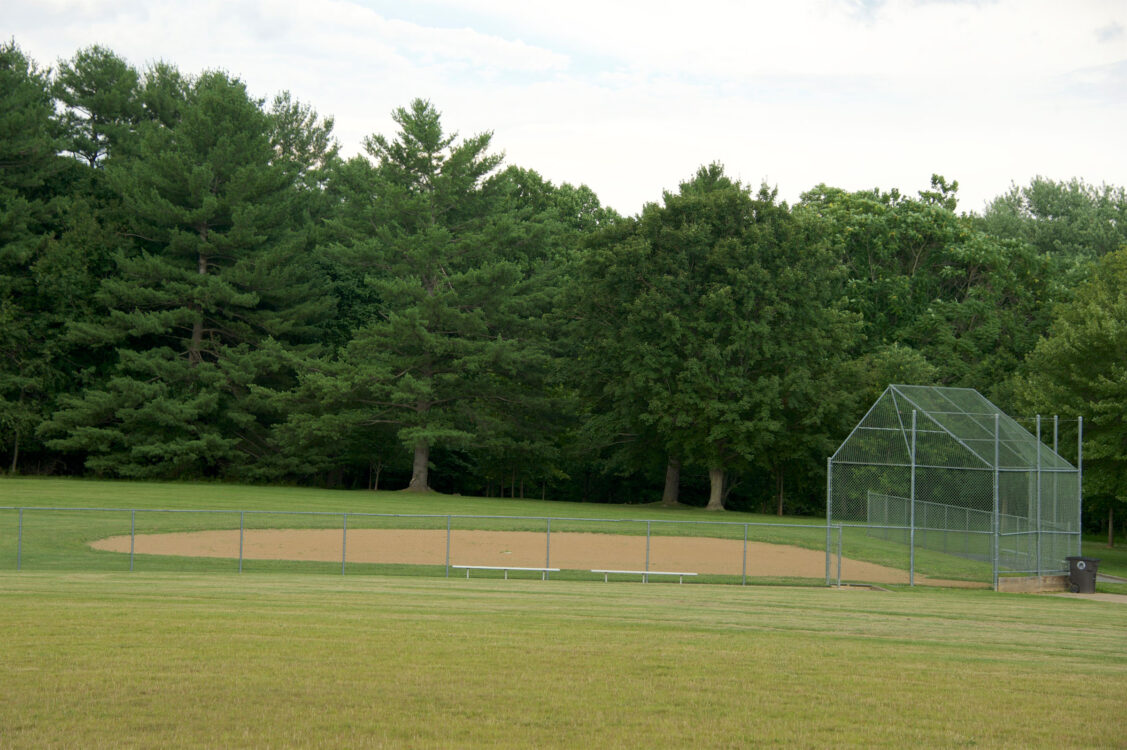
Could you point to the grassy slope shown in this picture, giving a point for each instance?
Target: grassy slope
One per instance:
(214, 496)
(1113, 560)
(98, 660)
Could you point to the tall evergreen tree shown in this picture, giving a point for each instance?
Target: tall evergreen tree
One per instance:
(544, 226)
(101, 94)
(216, 274)
(33, 182)
(445, 265)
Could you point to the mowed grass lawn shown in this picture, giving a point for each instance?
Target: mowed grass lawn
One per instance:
(223, 660)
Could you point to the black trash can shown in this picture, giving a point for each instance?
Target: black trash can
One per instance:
(1082, 574)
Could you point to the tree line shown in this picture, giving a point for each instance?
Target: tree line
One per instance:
(195, 284)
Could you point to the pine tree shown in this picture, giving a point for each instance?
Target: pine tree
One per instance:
(103, 106)
(33, 181)
(216, 279)
(442, 250)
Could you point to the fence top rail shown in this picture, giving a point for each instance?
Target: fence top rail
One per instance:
(901, 527)
(1001, 469)
(340, 513)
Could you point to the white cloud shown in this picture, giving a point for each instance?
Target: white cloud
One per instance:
(630, 97)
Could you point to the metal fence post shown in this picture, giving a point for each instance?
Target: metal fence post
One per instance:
(912, 511)
(946, 526)
(1039, 529)
(132, 536)
(647, 548)
(447, 546)
(829, 511)
(241, 526)
(997, 528)
(839, 531)
(1079, 485)
(19, 541)
(343, 543)
(1056, 475)
(745, 557)
(548, 548)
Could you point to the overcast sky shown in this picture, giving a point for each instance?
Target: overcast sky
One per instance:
(631, 97)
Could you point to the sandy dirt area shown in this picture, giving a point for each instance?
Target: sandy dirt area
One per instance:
(576, 551)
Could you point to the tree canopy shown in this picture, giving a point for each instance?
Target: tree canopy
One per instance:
(195, 283)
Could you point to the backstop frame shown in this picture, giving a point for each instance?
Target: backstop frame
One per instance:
(1017, 478)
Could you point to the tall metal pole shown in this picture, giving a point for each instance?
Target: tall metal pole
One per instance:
(1056, 476)
(1038, 494)
(829, 511)
(1079, 485)
(996, 501)
(132, 536)
(447, 546)
(19, 542)
(912, 511)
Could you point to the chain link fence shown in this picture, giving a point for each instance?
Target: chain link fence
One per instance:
(961, 489)
(110, 539)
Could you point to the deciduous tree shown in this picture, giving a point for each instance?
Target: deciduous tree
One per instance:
(714, 324)
(1079, 368)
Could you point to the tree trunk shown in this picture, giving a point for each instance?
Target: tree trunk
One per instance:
(16, 452)
(420, 468)
(779, 491)
(194, 354)
(672, 491)
(716, 489)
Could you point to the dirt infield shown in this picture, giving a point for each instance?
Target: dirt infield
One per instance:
(576, 551)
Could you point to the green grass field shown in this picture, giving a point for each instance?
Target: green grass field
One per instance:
(57, 539)
(185, 652)
(147, 660)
